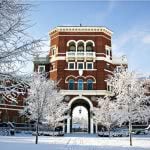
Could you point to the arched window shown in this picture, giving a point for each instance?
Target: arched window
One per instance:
(80, 84)
(80, 47)
(89, 45)
(71, 84)
(89, 84)
(72, 46)
(89, 48)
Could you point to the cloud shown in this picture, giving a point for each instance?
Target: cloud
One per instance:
(146, 39)
(134, 44)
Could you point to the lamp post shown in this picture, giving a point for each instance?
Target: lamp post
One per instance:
(0, 115)
(80, 110)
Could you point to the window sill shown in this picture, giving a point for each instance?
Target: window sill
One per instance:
(81, 69)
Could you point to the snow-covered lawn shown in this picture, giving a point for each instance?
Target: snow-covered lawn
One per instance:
(73, 142)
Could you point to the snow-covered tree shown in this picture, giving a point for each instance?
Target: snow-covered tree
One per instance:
(56, 109)
(132, 104)
(16, 45)
(43, 102)
(105, 113)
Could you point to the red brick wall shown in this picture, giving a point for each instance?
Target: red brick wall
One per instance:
(61, 42)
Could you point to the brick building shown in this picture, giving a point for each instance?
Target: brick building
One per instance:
(81, 59)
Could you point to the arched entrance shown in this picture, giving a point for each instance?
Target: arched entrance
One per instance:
(83, 102)
(80, 119)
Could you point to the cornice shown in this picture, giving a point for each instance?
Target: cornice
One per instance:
(81, 29)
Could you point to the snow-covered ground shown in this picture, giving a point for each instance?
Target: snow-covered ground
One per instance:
(73, 142)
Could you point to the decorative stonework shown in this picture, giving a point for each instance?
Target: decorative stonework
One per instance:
(81, 29)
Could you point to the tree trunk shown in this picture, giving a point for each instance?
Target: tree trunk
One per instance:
(109, 131)
(37, 132)
(130, 132)
(53, 130)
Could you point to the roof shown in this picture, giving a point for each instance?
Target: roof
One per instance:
(81, 29)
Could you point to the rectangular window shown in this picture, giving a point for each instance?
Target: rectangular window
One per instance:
(71, 65)
(81, 65)
(89, 65)
(41, 68)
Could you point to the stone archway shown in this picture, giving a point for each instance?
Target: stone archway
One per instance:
(80, 119)
(80, 101)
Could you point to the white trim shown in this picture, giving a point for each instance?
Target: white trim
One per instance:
(71, 63)
(64, 58)
(83, 69)
(90, 41)
(76, 77)
(87, 65)
(58, 58)
(82, 35)
(70, 42)
(85, 92)
(108, 71)
(81, 29)
(113, 61)
(89, 76)
(81, 97)
(10, 109)
(104, 59)
(61, 53)
(70, 76)
(78, 65)
(80, 41)
(100, 54)
(11, 105)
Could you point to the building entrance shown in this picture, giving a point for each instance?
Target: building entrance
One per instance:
(80, 120)
(80, 117)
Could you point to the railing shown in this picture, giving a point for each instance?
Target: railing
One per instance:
(80, 54)
(38, 60)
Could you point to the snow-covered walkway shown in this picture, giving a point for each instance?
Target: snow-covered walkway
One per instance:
(73, 142)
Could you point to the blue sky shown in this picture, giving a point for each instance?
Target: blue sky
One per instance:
(129, 20)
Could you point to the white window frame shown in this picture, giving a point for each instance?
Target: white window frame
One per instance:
(87, 65)
(78, 65)
(69, 66)
(43, 66)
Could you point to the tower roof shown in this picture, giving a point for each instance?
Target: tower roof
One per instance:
(81, 29)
